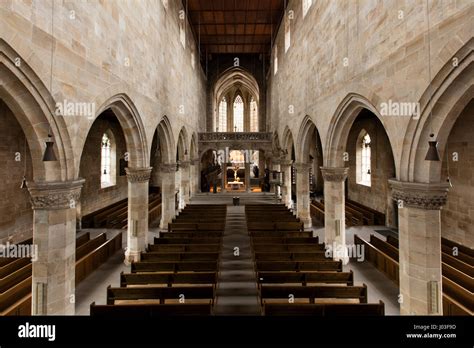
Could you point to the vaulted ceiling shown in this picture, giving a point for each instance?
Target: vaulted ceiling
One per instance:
(235, 26)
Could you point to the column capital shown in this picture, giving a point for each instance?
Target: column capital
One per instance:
(55, 195)
(302, 166)
(428, 196)
(184, 164)
(336, 174)
(167, 167)
(286, 162)
(135, 175)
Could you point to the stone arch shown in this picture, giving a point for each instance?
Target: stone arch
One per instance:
(182, 146)
(307, 129)
(193, 147)
(341, 124)
(167, 143)
(451, 90)
(131, 122)
(34, 108)
(288, 143)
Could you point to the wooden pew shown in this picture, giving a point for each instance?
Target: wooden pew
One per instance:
(313, 293)
(461, 248)
(193, 234)
(180, 266)
(15, 277)
(90, 245)
(291, 256)
(283, 234)
(168, 279)
(184, 247)
(179, 256)
(298, 266)
(287, 247)
(83, 239)
(378, 217)
(150, 310)
(317, 212)
(10, 297)
(181, 241)
(161, 294)
(176, 226)
(326, 309)
(305, 278)
(13, 266)
(285, 240)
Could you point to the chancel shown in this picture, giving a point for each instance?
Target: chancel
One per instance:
(231, 158)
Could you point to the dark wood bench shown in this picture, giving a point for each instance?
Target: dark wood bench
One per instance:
(10, 298)
(184, 247)
(284, 240)
(90, 245)
(160, 294)
(287, 247)
(188, 234)
(305, 278)
(373, 216)
(15, 277)
(181, 241)
(300, 234)
(179, 256)
(150, 310)
(329, 309)
(313, 293)
(297, 266)
(168, 279)
(180, 266)
(83, 239)
(176, 226)
(291, 256)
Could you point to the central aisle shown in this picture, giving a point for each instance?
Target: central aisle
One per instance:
(237, 292)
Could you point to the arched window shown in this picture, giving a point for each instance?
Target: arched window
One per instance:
(222, 123)
(253, 116)
(107, 161)
(238, 114)
(363, 159)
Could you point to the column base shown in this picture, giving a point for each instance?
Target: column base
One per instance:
(307, 222)
(338, 252)
(131, 256)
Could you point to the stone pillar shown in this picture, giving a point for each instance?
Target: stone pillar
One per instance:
(335, 211)
(137, 229)
(302, 194)
(168, 212)
(185, 182)
(247, 176)
(224, 177)
(285, 166)
(54, 236)
(420, 246)
(276, 167)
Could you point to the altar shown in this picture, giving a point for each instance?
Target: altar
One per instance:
(236, 185)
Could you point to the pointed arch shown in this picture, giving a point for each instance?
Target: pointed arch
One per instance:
(307, 130)
(451, 90)
(193, 148)
(288, 143)
(167, 143)
(35, 110)
(182, 146)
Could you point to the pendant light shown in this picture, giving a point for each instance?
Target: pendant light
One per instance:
(49, 151)
(433, 153)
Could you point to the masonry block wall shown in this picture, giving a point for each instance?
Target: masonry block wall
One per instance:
(382, 168)
(457, 217)
(93, 197)
(16, 215)
(103, 48)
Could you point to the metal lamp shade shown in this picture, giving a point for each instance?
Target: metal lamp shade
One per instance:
(432, 154)
(49, 152)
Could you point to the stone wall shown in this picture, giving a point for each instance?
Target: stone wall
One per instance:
(16, 215)
(104, 48)
(457, 217)
(387, 59)
(376, 196)
(93, 197)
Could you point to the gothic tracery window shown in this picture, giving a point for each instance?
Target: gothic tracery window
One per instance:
(363, 159)
(107, 161)
(238, 114)
(253, 115)
(222, 123)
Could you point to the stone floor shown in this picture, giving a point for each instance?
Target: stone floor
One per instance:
(236, 292)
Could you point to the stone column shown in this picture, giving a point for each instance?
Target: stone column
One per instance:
(247, 176)
(302, 194)
(420, 246)
(185, 182)
(195, 177)
(276, 167)
(137, 229)
(168, 212)
(54, 236)
(285, 166)
(335, 211)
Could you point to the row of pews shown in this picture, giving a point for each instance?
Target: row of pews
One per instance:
(177, 275)
(293, 274)
(16, 273)
(457, 270)
(115, 216)
(357, 214)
